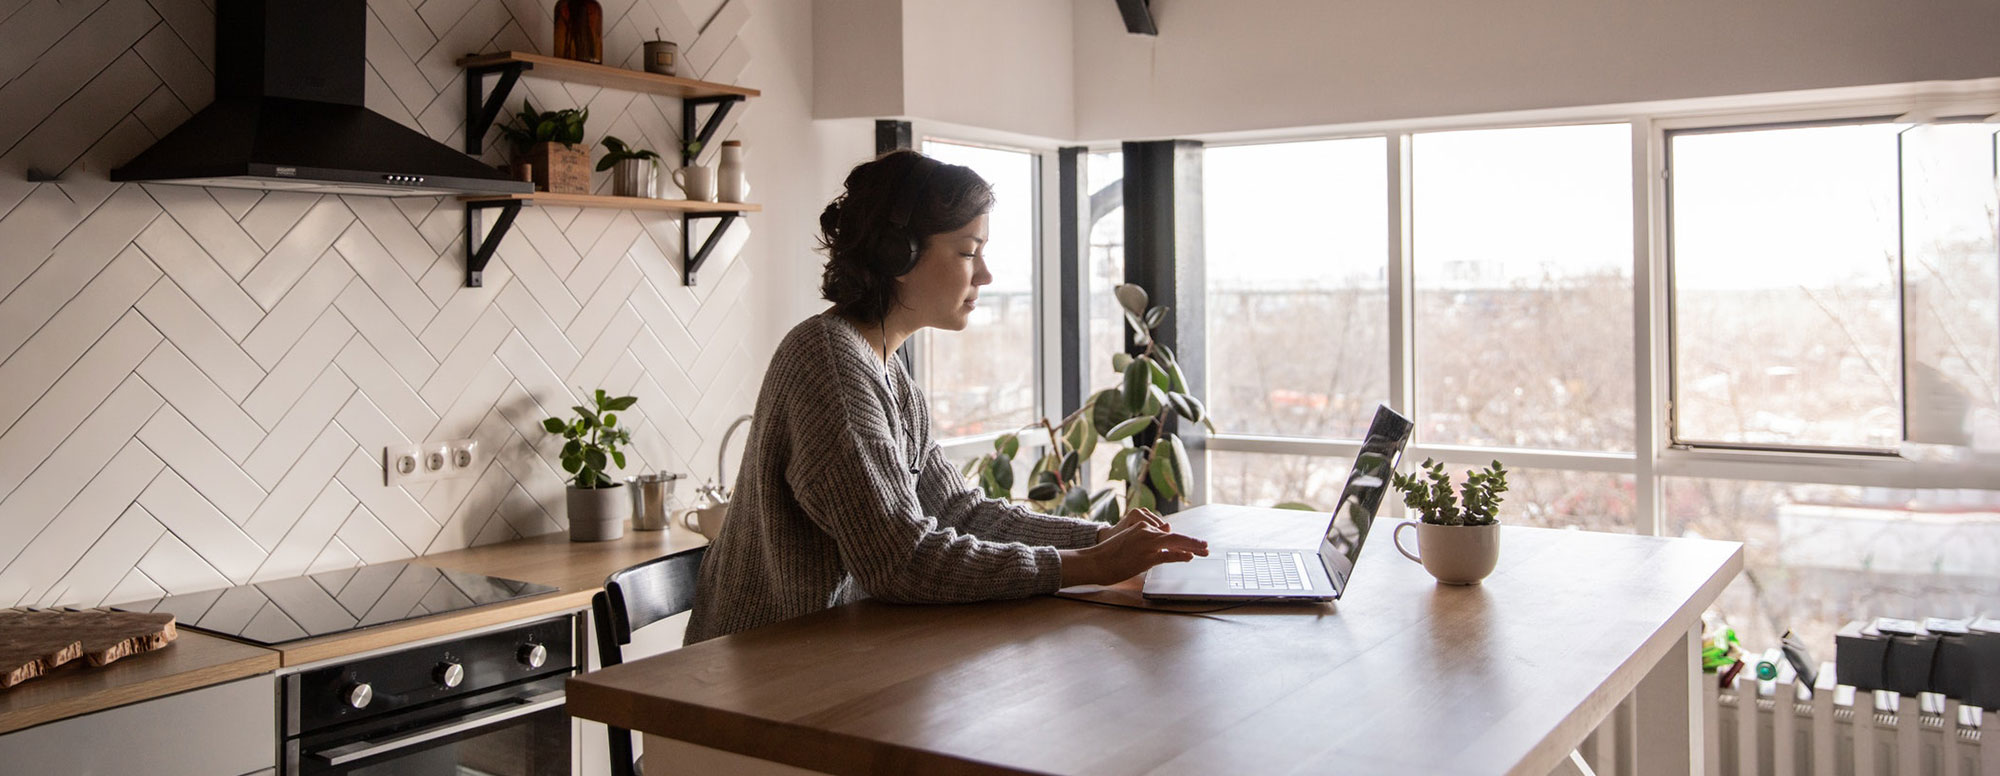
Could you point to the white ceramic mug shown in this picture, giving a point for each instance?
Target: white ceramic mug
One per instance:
(697, 183)
(1455, 554)
(706, 521)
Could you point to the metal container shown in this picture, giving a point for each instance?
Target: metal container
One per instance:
(652, 499)
(660, 56)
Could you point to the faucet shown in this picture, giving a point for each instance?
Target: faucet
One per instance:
(721, 453)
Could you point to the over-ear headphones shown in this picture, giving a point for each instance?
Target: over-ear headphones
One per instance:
(898, 256)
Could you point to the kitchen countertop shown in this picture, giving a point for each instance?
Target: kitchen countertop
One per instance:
(576, 569)
(192, 661)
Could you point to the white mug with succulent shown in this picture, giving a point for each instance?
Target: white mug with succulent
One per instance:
(1150, 392)
(551, 143)
(637, 169)
(1458, 536)
(597, 508)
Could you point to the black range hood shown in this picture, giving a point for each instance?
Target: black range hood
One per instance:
(288, 115)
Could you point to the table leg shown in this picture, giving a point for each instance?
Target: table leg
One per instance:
(1669, 736)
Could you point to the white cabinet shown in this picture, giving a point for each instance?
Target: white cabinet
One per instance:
(592, 752)
(228, 728)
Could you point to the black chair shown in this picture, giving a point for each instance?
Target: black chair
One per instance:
(634, 598)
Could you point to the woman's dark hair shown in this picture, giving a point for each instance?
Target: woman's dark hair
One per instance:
(866, 250)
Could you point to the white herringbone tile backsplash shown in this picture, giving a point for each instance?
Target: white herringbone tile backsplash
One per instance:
(196, 384)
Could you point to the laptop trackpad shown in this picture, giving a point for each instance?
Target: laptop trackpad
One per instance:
(1201, 575)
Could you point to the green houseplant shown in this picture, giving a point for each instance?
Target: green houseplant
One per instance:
(550, 142)
(638, 169)
(597, 505)
(1151, 391)
(1458, 535)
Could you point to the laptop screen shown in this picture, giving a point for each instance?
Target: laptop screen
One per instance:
(1367, 484)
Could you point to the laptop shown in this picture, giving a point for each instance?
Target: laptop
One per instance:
(1246, 573)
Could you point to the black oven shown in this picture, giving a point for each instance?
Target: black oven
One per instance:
(490, 703)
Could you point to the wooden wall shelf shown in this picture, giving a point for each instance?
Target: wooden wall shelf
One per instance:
(479, 248)
(609, 77)
(623, 203)
(482, 108)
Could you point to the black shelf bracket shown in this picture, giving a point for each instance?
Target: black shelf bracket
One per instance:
(693, 261)
(479, 251)
(481, 110)
(722, 103)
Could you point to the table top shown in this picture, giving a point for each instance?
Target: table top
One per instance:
(1403, 675)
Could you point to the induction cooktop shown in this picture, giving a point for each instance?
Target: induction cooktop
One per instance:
(282, 610)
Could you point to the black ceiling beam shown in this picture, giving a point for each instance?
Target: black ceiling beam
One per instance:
(1138, 17)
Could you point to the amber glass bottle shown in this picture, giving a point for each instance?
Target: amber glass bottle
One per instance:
(580, 30)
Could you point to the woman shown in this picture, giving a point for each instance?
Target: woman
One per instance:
(843, 494)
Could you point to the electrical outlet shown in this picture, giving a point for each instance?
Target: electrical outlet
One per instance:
(437, 460)
(465, 457)
(402, 465)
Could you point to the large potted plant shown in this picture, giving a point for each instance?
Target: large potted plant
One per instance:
(551, 143)
(635, 170)
(597, 504)
(1458, 536)
(1150, 392)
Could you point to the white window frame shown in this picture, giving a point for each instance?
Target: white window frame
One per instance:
(1046, 280)
(1654, 456)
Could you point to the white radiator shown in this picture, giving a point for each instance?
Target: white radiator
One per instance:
(1776, 728)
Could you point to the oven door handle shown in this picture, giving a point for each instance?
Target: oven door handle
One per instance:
(359, 750)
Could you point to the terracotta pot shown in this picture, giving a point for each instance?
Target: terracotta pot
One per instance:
(598, 514)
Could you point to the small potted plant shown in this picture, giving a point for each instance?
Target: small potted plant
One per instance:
(1459, 535)
(551, 144)
(597, 506)
(637, 169)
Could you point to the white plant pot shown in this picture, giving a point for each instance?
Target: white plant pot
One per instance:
(598, 514)
(635, 178)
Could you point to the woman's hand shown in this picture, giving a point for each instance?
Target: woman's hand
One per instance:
(1128, 553)
(1133, 518)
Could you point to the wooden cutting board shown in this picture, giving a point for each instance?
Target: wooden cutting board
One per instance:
(34, 642)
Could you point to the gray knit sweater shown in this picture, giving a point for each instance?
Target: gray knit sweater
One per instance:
(826, 509)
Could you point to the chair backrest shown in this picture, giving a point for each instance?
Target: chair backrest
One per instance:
(634, 598)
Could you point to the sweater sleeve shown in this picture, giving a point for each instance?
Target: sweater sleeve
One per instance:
(852, 484)
(959, 506)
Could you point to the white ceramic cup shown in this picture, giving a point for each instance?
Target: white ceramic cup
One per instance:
(706, 521)
(696, 182)
(1455, 554)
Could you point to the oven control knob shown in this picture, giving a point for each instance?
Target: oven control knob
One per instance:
(359, 694)
(449, 674)
(533, 655)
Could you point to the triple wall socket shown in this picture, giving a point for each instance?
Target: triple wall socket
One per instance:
(408, 464)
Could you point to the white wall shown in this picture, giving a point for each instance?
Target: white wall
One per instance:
(196, 384)
(858, 57)
(997, 65)
(1219, 66)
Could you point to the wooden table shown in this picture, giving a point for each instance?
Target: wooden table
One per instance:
(1401, 676)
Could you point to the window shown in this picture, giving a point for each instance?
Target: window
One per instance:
(1823, 315)
(1296, 240)
(1784, 262)
(1104, 181)
(1522, 246)
(984, 379)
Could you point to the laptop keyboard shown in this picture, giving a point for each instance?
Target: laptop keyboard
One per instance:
(1264, 571)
